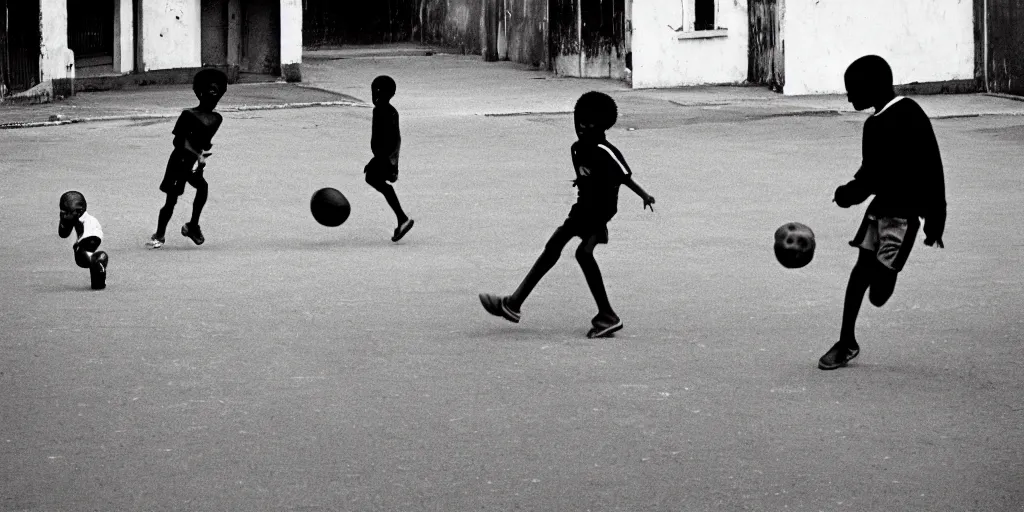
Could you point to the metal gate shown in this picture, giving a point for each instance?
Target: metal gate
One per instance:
(19, 44)
(91, 27)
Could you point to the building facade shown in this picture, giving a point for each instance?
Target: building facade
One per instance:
(46, 44)
(791, 46)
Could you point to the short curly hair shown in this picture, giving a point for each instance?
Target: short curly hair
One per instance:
(71, 196)
(385, 84)
(208, 76)
(598, 108)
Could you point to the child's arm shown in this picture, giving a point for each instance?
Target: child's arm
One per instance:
(647, 198)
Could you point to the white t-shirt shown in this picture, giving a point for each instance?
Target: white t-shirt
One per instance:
(87, 226)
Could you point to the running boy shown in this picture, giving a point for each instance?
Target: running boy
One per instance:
(385, 142)
(193, 133)
(73, 217)
(600, 169)
(902, 168)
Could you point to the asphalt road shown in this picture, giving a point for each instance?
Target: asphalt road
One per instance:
(288, 366)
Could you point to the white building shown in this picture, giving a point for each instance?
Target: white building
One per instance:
(89, 38)
(799, 46)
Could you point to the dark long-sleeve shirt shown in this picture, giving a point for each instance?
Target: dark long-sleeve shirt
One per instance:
(385, 138)
(901, 167)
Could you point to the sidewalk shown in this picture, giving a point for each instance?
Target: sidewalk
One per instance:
(158, 101)
(432, 82)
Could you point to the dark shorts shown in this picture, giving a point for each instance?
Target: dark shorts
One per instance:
(179, 172)
(380, 169)
(577, 226)
(889, 238)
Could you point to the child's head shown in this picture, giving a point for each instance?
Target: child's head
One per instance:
(209, 84)
(72, 205)
(868, 82)
(383, 89)
(595, 112)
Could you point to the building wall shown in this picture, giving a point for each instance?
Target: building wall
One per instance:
(662, 59)
(291, 32)
(124, 36)
(923, 41)
(170, 34)
(56, 60)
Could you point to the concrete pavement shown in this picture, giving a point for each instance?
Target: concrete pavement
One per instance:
(341, 76)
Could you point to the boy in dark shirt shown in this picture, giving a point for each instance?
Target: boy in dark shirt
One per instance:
(73, 217)
(385, 142)
(193, 133)
(902, 168)
(600, 169)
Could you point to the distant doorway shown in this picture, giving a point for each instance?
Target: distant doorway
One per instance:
(91, 36)
(19, 45)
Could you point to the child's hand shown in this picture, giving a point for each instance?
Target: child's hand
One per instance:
(649, 202)
(937, 242)
(841, 197)
(64, 228)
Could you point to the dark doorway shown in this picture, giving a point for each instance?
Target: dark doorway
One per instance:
(91, 29)
(1005, 46)
(19, 44)
(214, 32)
(765, 56)
(261, 37)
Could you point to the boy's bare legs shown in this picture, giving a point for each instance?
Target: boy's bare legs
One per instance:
(546, 260)
(385, 188)
(202, 193)
(165, 216)
(861, 278)
(585, 257)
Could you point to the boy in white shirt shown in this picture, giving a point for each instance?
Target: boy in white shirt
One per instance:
(73, 217)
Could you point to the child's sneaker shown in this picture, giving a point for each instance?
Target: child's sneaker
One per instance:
(401, 230)
(192, 231)
(155, 242)
(498, 306)
(604, 326)
(840, 354)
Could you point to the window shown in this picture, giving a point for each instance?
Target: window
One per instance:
(701, 20)
(700, 15)
(704, 14)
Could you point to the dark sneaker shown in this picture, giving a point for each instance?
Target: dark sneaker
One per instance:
(840, 354)
(498, 306)
(604, 326)
(402, 229)
(98, 273)
(393, 177)
(155, 242)
(192, 231)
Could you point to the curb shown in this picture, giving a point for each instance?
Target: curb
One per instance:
(140, 117)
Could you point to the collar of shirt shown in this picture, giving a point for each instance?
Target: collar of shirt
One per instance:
(887, 105)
